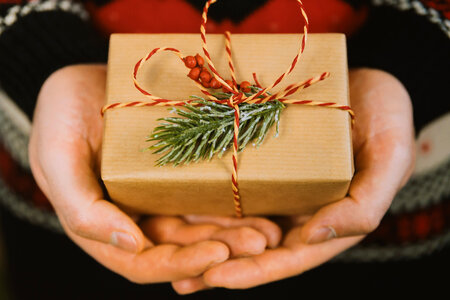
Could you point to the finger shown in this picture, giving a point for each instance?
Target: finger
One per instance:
(166, 263)
(166, 229)
(273, 265)
(195, 284)
(190, 285)
(269, 229)
(243, 241)
(161, 263)
(240, 240)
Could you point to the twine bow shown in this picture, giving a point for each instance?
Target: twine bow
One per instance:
(236, 97)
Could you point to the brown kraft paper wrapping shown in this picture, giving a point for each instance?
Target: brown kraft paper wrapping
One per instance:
(308, 165)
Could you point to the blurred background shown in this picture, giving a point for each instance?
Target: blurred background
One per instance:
(4, 293)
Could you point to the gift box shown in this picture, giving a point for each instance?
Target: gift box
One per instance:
(308, 165)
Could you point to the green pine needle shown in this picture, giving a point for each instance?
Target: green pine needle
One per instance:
(203, 131)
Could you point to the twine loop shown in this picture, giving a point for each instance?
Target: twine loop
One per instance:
(237, 97)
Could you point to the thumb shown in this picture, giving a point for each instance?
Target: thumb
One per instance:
(381, 171)
(64, 144)
(104, 222)
(72, 187)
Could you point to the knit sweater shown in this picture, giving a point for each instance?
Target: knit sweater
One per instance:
(407, 38)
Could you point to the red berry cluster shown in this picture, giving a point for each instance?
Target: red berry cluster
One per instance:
(201, 74)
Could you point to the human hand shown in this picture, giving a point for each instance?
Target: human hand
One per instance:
(383, 143)
(64, 153)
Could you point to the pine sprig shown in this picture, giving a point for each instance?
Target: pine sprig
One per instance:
(205, 130)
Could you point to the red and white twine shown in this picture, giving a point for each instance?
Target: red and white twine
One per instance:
(237, 97)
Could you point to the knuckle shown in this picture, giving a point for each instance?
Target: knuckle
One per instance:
(178, 264)
(370, 223)
(78, 223)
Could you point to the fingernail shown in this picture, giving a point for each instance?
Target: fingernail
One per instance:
(321, 235)
(123, 241)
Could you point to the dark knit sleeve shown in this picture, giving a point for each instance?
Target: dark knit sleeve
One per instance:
(38, 38)
(412, 43)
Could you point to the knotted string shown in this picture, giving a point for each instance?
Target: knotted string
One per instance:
(237, 97)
